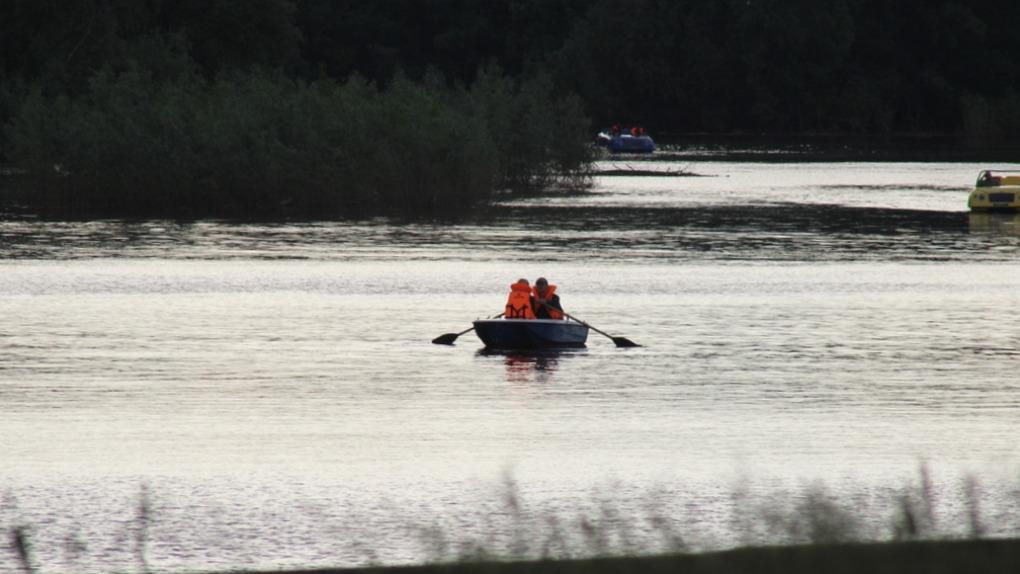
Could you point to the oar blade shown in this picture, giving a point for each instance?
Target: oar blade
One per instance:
(624, 342)
(445, 339)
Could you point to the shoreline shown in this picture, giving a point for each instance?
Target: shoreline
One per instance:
(930, 557)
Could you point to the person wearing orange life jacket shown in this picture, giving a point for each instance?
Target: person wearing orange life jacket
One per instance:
(545, 300)
(518, 304)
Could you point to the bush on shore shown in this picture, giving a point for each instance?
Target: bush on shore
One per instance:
(257, 143)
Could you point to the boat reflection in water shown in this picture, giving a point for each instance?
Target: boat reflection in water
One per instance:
(995, 223)
(530, 366)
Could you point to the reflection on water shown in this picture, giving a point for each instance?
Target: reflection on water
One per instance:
(532, 366)
(744, 211)
(785, 232)
(995, 224)
(276, 385)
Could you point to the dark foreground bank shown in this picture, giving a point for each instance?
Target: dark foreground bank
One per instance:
(944, 557)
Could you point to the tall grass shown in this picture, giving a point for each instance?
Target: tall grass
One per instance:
(22, 548)
(814, 514)
(515, 529)
(256, 143)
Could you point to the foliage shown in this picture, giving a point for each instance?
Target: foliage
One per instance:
(208, 108)
(862, 66)
(194, 97)
(259, 143)
(534, 127)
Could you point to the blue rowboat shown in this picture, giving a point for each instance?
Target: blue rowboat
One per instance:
(530, 333)
(631, 144)
(626, 143)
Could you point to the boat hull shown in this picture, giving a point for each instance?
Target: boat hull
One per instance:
(626, 143)
(1004, 198)
(631, 144)
(996, 190)
(530, 333)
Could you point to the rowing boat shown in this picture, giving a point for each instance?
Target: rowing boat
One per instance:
(997, 190)
(634, 140)
(530, 333)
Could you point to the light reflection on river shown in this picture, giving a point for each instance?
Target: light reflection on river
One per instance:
(274, 384)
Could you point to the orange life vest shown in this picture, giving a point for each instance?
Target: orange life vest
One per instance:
(550, 290)
(518, 305)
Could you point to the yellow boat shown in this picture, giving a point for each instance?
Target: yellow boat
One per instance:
(996, 191)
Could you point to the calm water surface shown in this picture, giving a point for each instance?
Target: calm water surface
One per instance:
(273, 389)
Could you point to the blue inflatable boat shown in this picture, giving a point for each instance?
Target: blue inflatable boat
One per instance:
(530, 333)
(625, 141)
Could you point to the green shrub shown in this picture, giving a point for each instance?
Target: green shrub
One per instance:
(258, 143)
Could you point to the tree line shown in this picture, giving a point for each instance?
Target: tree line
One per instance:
(863, 66)
(222, 87)
(196, 108)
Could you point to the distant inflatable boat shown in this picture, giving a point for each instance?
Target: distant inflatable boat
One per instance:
(633, 140)
(996, 191)
(530, 333)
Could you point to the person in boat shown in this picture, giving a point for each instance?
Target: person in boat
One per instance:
(519, 304)
(545, 301)
(988, 180)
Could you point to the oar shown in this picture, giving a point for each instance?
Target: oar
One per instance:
(620, 341)
(449, 338)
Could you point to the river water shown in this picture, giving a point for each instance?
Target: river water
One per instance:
(188, 396)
